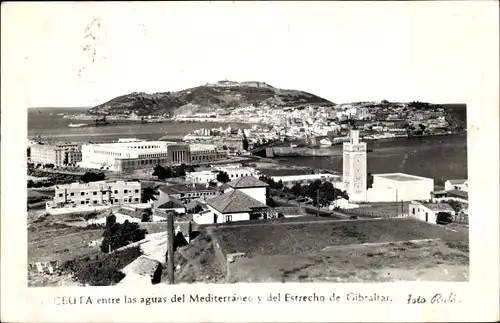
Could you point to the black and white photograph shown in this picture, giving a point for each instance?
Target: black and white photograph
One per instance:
(187, 143)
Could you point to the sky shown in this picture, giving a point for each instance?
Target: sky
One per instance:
(83, 54)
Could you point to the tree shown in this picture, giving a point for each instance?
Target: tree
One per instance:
(92, 177)
(457, 206)
(223, 177)
(147, 215)
(148, 194)
(212, 184)
(444, 218)
(118, 235)
(30, 183)
(245, 142)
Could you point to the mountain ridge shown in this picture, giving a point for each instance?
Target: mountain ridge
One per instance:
(206, 98)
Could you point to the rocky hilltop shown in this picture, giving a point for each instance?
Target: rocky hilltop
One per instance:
(207, 98)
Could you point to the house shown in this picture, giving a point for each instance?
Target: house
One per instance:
(144, 266)
(456, 184)
(250, 186)
(187, 193)
(343, 204)
(169, 203)
(194, 206)
(235, 205)
(428, 211)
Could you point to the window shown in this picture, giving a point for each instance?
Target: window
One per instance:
(95, 202)
(413, 210)
(137, 191)
(82, 202)
(116, 200)
(116, 192)
(95, 193)
(87, 202)
(82, 193)
(60, 195)
(136, 199)
(72, 194)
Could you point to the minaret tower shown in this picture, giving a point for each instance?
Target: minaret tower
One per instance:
(354, 170)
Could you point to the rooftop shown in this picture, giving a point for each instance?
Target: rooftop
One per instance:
(438, 206)
(457, 181)
(246, 182)
(235, 201)
(164, 199)
(400, 177)
(181, 188)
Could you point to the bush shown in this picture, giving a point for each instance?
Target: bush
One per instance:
(444, 218)
(92, 177)
(223, 177)
(119, 235)
(101, 269)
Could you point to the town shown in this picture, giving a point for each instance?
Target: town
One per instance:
(209, 200)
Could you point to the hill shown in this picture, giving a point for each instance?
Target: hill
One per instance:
(206, 98)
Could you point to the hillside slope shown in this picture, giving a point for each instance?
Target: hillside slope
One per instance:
(206, 98)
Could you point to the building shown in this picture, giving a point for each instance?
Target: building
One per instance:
(130, 155)
(251, 186)
(96, 193)
(201, 177)
(58, 155)
(187, 193)
(205, 153)
(394, 187)
(290, 180)
(456, 184)
(354, 167)
(236, 171)
(168, 203)
(234, 205)
(428, 211)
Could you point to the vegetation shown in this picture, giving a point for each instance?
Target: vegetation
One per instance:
(148, 194)
(38, 184)
(92, 177)
(223, 177)
(444, 218)
(118, 235)
(173, 171)
(324, 190)
(101, 269)
(245, 142)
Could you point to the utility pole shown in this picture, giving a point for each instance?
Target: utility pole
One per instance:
(317, 201)
(397, 204)
(170, 252)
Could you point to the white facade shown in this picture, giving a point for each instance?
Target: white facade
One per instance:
(228, 217)
(457, 184)
(236, 171)
(428, 213)
(105, 155)
(120, 218)
(97, 193)
(343, 204)
(354, 168)
(395, 187)
(201, 177)
(204, 217)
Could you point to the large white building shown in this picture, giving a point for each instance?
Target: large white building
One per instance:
(126, 156)
(96, 193)
(354, 167)
(395, 187)
(201, 177)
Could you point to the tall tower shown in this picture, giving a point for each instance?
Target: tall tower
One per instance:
(354, 175)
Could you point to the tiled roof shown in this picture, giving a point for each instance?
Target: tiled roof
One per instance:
(234, 201)
(438, 206)
(164, 198)
(246, 181)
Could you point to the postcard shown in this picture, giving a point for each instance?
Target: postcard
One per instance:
(250, 161)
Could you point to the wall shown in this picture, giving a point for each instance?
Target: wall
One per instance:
(258, 193)
(405, 190)
(205, 218)
(98, 193)
(78, 209)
